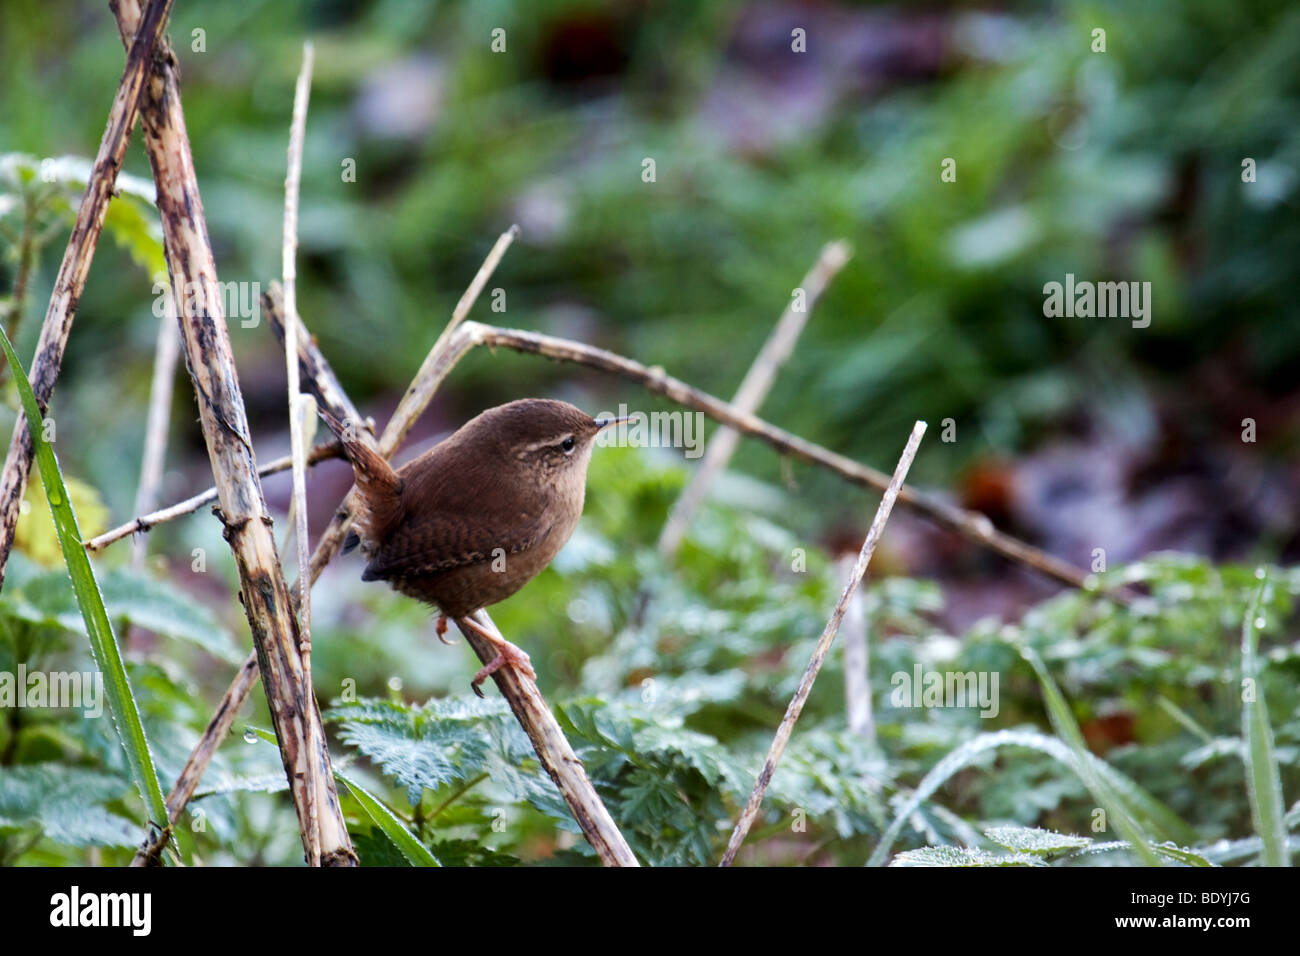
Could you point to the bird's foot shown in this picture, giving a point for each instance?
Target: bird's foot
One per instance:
(442, 630)
(507, 655)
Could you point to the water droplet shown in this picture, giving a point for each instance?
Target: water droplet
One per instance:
(394, 683)
(250, 736)
(54, 497)
(1260, 623)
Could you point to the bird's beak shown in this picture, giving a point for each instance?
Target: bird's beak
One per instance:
(603, 422)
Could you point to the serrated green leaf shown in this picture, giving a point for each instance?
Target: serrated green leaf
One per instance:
(1034, 840)
(67, 804)
(962, 856)
(393, 828)
(130, 596)
(444, 741)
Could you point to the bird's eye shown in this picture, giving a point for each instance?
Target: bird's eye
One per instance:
(568, 445)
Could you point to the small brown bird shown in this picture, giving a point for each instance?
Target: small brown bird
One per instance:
(471, 521)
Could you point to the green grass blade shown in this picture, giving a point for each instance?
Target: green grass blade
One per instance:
(103, 644)
(1184, 719)
(1263, 781)
(1177, 854)
(397, 831)
(1155, 815)
(1063, 722)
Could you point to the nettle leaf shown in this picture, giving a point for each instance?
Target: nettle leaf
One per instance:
(164, 609)
(72, 172)
(374, 848)
(417, 754)
(833, 776)
(962, 856)
(646, 796)
(262, 783)
(442, 741)
(470, 853)
(1035, 840)
(1170, 851)
(681, 696)
(66, 803)
(131, 219)
(663, 782)
(690, 749)
(47, 598)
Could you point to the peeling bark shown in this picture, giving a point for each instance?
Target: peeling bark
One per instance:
(247, 525)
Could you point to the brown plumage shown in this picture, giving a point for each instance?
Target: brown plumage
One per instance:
(471, 521)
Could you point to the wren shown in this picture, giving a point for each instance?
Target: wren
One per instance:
(475, 518)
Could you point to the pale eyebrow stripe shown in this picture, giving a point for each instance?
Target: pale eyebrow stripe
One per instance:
(549, 441)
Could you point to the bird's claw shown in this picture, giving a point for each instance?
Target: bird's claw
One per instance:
(442, 630)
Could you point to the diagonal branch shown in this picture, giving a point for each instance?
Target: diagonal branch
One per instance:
(71, 280)
(823, 646)
(554, 751)
(247, 525)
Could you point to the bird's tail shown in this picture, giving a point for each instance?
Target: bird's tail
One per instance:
(380, 487)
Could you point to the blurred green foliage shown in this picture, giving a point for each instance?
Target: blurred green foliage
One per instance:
(1118, 165)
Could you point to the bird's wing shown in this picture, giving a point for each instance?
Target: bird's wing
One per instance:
(442, 541)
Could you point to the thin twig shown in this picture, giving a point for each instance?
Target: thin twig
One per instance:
(292, 184)
(71, 280)
(823, 645)
(554, 751)
(144, 523)
(753, 389)
(166, 353)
